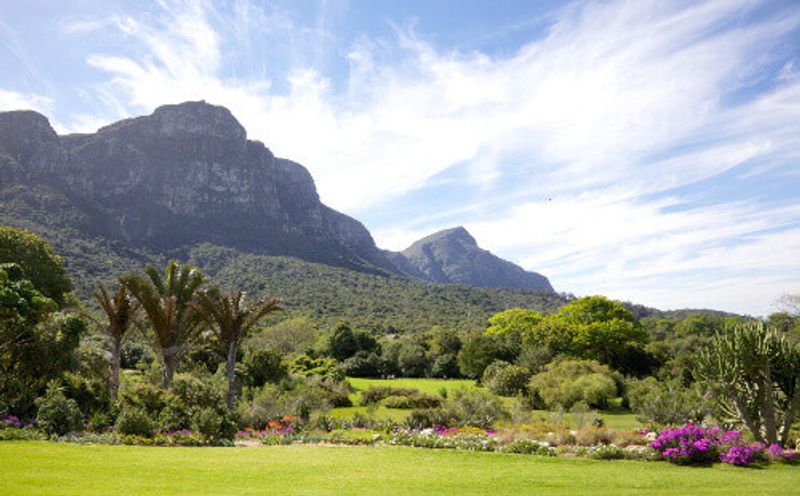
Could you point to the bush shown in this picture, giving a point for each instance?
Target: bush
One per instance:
(594, 436)
(399, 398)
(505, 379)
(324, 367)
(146, 397)
(476, 408)
(416, 400)
(91, 395)
(196, 393)
(213, 425)
(57, 413)
(667, 402)
(353, 436)
(134, 422)
(567, 382)
(528, 447)
(428, 418)
(264, 366)
(445, 367)
(362, 364)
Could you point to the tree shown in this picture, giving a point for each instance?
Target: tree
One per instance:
(342, 343)
(294, 335)
(593, 327)
(514, 321)
(567, 382)
(35, 256)
(231, 319)
(478, 352)
(37, 344)
(755, 375)
(167, 302)
(121, 313)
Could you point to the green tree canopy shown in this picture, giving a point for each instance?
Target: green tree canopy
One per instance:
(37, 259)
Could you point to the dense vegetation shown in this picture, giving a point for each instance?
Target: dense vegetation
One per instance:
(182, 356)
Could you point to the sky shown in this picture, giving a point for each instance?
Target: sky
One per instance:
(644, 150)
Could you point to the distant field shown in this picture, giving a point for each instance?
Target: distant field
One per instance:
(430, 386)
(45, 469)
(613, 419)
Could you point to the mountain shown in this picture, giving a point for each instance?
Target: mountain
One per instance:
(183, 175)
(453, 256)
(155, 186)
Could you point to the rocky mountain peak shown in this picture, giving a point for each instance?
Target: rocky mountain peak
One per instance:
(453, 256)
(198, 119)
(453, 235)
(27, 138)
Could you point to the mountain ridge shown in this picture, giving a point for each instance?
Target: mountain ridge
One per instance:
(187, 174)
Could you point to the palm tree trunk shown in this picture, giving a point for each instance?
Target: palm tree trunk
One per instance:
(116, 350)
(169, 363)
(231, 370)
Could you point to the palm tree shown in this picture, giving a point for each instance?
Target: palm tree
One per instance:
(167, 302)
(121, 312)
(231, 319)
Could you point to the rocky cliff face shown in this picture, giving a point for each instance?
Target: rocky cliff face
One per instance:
(186, 174)
(453, 256)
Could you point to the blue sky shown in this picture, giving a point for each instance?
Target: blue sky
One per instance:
(647, 150)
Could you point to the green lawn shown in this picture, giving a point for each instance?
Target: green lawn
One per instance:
(41, 468)
(430, 386)
(620, 420)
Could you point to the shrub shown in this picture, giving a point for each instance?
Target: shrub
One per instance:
(429, 417)
(476, 408)
(147, 397)
(528, 447)
(264, 366)
(667, 402)
(353, 436)
(593, 436)
(567, 382)
(134, 422)
(57, 413)
(213, 424)
(505, 379)
(195, 392)
(173, 417)
(324, 367)
(687, 445)
(91, 394)
(445, 366)
(362, 364)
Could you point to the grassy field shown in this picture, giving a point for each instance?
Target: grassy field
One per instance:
(620, 420)
(430, 386)
(40, 468)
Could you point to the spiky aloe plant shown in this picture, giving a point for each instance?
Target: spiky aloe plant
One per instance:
(167, 302)
(231, 319)
(755, 374)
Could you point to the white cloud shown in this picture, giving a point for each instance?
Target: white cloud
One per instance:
(617, 100)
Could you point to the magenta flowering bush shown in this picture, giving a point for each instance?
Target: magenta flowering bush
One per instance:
(10, 421)
(691, 444)
(744, 454)
(688, 445)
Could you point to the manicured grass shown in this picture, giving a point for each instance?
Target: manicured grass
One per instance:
(615, 419)
(41, 468)
(430, 386)
(381, 413)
